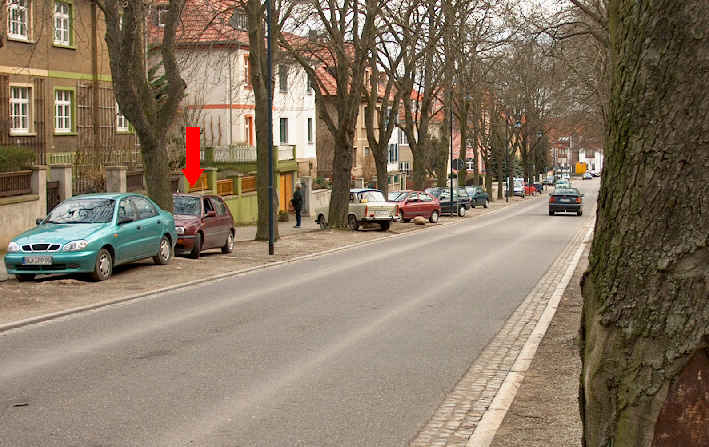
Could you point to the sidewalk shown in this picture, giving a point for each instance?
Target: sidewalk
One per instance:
(248, 232)
(545, 412)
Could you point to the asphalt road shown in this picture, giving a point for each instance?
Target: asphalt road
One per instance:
(356, 348)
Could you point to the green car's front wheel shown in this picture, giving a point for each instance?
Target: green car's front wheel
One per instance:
(164, 255)
(104, 266)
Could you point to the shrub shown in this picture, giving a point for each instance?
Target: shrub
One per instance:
(15, 158)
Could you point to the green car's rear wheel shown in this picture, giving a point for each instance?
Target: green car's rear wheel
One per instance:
(104, 266)
(164, 255)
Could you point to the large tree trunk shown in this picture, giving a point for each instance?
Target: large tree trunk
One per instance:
(382, 173)
(418, 153)
(645, 326)
(157, 170)
(259, 78)
(341, 176)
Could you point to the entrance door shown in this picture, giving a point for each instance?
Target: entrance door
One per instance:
(285, 191)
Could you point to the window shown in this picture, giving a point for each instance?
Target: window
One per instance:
(283, 77)
(220, 206)
(366, 152)
(393, 153)
(311, 84)
(402, 137)
(145, 209)
(310, 130)
(247, 71)
(249, 130)
(404, 166)
(239, 20)
(62, 23)
(162, 15)
(20, 109)
(121, 121)
(18, 19)
(284, 131)
(62, 114)
(425, 198)
(354, 157)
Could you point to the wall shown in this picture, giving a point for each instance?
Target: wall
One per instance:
(18, 213)
(244, 208)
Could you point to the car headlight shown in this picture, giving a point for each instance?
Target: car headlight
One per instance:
(180, 230)
(13, 247)
(75, 245)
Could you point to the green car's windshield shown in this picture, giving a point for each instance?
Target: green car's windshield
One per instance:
(78, 211)
(186, 205)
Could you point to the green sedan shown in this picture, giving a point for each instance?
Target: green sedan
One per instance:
(91, 234)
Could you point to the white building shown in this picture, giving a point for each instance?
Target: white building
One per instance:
(593, 158)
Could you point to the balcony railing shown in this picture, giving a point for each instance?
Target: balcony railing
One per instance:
(286, 152)
(229, 154)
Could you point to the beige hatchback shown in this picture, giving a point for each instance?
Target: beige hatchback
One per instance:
(366, 207)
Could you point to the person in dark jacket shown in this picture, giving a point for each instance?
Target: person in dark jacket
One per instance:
(297, 202)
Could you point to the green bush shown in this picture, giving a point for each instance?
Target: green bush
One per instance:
(15, 158)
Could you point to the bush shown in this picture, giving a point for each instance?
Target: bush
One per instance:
(321, 183)
(15, 158)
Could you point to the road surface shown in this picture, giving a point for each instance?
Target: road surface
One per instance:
(355, 348)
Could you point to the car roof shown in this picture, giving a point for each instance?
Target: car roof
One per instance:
(105, 195)
(192, 194)
(363, 189)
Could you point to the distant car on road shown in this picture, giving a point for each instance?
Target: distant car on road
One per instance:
(93, 233)
(416, 203)
(202, 222)
(478, 196)
(366, 206)
(587, 176)
(566, 200)
(549, 180)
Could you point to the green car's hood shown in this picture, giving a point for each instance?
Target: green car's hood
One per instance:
(59, 233)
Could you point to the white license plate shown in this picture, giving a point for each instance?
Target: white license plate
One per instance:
(381, 214)
(566, 200)
(37, 260)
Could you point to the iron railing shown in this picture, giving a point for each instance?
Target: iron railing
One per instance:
(15, 183)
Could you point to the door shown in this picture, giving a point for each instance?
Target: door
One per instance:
(225, 222)
(149, 226)
(127, 236)
(426, 204)
(285, 187)
(210, 225)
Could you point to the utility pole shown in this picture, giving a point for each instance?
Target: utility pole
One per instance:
(269, 58)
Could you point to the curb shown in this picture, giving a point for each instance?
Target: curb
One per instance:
(491, 421)
(74, 310)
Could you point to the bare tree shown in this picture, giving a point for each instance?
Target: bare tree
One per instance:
(151, 107)
(645, 322)
(346, 37)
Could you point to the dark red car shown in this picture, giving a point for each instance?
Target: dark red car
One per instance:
(202, 222)
(416, 203)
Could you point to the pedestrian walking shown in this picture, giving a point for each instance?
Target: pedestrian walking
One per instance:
(297, 202)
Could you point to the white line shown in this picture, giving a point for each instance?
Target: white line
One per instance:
(492, 419)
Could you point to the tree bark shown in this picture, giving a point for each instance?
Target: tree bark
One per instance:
(645, 323)
(259, 76)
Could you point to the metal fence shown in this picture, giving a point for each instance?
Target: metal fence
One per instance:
(15, 183)
(134, 181)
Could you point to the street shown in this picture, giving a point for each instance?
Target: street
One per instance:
(354, 348)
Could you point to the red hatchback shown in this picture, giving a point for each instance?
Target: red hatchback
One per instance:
(202, 222)
(416, 203)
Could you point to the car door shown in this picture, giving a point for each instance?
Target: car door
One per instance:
(411, 205)
(224, 219)
(128, 234)
(149, 225)
(210, 225)
(426, 204)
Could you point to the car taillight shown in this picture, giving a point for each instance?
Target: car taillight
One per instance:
(366, 209)
(578, 199)
(551, 199)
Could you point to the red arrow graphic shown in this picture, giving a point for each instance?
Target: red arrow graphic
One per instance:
(192, 170)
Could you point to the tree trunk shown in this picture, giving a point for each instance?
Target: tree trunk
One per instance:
(382, 173)
(645, 323)
(341, 176)
(259, 78)
(156, 171)
(418, 153)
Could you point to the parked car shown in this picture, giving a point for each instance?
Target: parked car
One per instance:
(202, 222)
(367, 206)
(565, 200)
(478, 196)
(518, 189)
(587, 176)
(539, 187)
(459, 205)
(529, 190)
(92, 234)
(562, 184)
(416, 203)
(549, 180)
